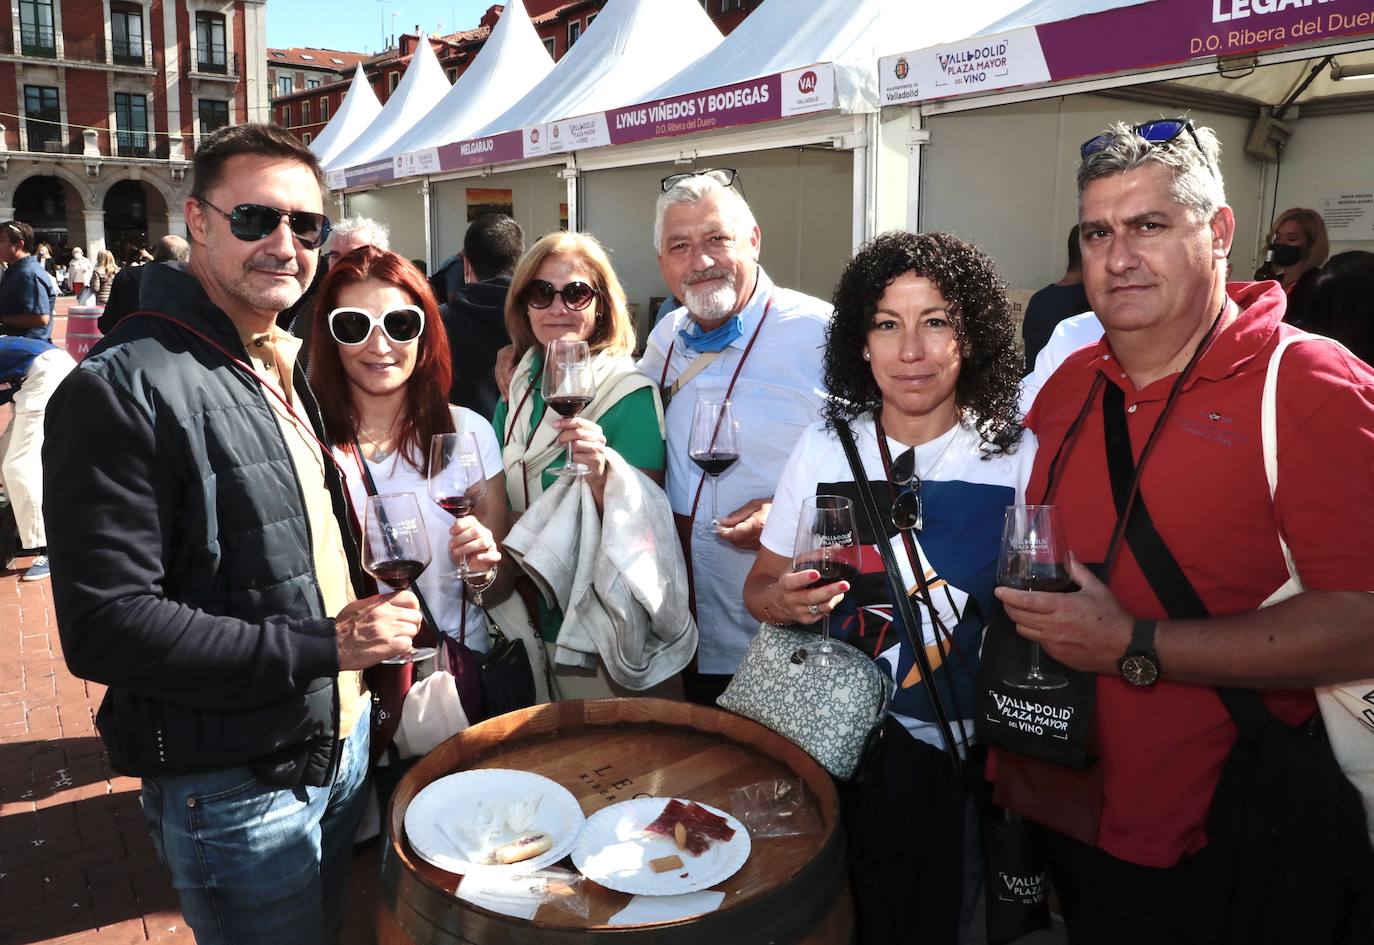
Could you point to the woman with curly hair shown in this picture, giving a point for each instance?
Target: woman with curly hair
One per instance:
(921, 363)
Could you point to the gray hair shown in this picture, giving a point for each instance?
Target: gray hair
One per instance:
(1196, 167)
(370, 232)
(694, 190)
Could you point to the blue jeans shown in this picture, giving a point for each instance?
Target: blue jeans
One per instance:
(258, 865)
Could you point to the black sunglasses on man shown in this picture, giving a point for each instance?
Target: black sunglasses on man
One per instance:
(251, 222)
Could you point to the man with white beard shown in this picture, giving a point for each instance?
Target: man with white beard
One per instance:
(738, 337)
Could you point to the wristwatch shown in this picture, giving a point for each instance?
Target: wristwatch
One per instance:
(1140, 665)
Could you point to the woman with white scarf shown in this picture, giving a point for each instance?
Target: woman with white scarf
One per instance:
(564, 288)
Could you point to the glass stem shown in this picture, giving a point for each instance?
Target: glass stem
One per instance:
(568, 463)
(715, 508)
(1035, 663)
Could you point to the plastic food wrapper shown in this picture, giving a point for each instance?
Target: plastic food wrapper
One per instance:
(521, 895)
(776, 808)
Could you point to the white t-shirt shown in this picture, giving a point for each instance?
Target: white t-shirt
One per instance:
(1077, 331)
(443, 594)
(776, 397)
(964, 496)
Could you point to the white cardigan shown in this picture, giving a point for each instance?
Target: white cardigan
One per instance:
(619, 577)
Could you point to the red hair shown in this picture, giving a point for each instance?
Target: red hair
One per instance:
(426, 395)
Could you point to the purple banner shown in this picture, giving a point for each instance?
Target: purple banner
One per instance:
(1167, 32)
(372, 173)
(738, 104)
(494, 149)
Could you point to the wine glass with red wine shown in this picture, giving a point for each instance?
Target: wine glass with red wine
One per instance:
(568, 387)
(828, 542)
(714, 443)
(395, 544)
(1034, 557)
(457, 482)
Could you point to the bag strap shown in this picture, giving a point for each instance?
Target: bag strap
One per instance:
(1161, 569)
(900, 600)
(1269, 440)
(371, 486)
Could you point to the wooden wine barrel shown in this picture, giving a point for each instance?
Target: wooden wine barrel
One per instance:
(82, 333)
(790, 890)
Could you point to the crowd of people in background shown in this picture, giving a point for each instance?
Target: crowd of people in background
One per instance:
(206, 468)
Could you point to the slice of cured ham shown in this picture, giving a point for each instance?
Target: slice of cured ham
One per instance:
(702, 826)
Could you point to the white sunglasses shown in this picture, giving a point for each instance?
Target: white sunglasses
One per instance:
(353, 326)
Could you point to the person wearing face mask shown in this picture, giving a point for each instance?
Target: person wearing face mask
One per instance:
(1294, 254)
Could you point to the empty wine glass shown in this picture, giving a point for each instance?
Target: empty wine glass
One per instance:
(828, 542)
(714, 443)
(395, 544)
(569, 387)
(457, 482)
(1034, 557)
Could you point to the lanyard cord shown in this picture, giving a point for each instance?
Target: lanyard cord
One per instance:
(768, 306)
(510, 432)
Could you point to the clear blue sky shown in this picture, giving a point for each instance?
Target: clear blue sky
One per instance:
(356, 25)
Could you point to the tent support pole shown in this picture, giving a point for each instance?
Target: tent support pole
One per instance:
(570, 175)
(427, 208)
(860, 221)
(916, 140)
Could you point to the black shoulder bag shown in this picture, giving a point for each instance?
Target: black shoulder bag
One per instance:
(1288, 856)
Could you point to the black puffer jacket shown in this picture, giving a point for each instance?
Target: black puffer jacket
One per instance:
(182, 569)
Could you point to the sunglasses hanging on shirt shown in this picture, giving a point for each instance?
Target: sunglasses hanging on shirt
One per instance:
(353, 326)
(251, 222)
(576, 295)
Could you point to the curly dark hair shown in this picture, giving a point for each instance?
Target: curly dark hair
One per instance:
(989, 373)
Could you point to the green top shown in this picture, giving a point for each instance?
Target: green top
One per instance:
(631, 429)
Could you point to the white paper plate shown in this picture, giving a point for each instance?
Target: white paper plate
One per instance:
(435, 819)
(614, 851)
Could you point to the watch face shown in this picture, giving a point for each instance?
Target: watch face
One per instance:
(1139, 669)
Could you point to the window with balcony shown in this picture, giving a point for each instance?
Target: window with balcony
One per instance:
(126, 34)
(214, 114)
(131, 124)
(43, 118)
(211, 52)
(324, 108)
(37, 37)
(574, 31)
(283, 85)
(305, 113)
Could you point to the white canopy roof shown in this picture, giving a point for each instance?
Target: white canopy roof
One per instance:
(512, 61)
(1049, 11)
(358, 110)
(633, 46)
(789, 34)
(419, 90)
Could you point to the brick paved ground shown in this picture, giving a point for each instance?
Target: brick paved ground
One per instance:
(76, 864)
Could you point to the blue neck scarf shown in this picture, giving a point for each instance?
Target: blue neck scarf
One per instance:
(718, 339)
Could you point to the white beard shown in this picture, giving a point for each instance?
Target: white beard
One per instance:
(712, 305)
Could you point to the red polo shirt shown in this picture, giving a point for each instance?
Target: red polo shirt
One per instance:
(1163, 748)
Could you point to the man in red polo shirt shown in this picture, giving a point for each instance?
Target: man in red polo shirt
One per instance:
(1156, 233)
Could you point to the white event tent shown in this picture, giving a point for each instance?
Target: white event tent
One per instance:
(510, 64)
(404, 208)
(997, 164)
(357, 111)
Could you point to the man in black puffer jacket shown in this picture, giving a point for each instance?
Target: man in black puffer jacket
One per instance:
(211, 579)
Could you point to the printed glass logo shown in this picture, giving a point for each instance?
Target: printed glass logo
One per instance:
(901, 70)
(806, 82)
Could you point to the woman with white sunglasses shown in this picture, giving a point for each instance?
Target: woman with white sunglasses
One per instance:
(381, 372)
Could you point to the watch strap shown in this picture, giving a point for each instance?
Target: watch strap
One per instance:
(1143, 638)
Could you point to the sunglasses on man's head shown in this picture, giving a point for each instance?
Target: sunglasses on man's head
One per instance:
(576, 295)
(353, 326)
(1159, 132)
(251, 222)
(725, 176)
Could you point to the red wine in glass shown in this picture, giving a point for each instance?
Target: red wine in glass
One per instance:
(714, 462)
(458, 505)
(831, 571)
(1032, 558)
(400, 573)
(569, 406)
